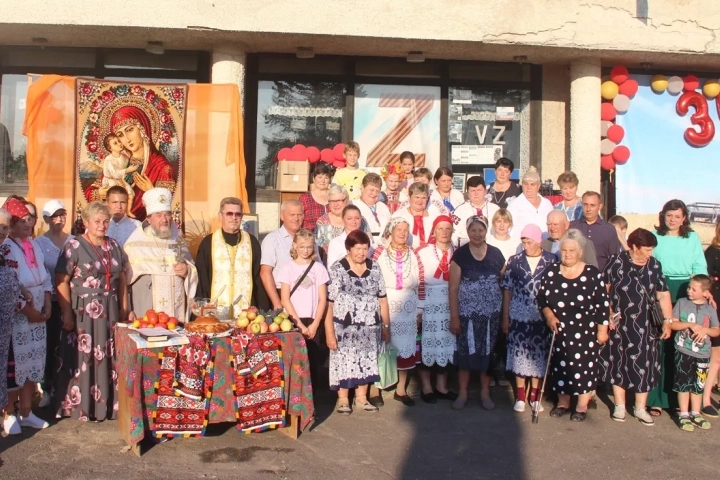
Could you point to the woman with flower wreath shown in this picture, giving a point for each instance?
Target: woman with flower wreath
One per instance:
(393, 175)
(92, 293)
(404, 283)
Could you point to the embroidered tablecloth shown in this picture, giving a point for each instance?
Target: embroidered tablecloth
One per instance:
(140, 368)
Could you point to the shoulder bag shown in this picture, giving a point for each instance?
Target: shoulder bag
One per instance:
(654, 310)
(302, 277)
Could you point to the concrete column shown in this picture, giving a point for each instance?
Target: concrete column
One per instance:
(228, 66)
(555, 101)
(585, 76)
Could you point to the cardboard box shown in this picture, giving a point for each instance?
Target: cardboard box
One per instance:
(293, 176)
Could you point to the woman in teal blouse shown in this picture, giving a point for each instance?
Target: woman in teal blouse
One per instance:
(681, 256)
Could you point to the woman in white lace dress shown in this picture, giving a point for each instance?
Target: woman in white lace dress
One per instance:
(356, 320)
(404, 282)
(438, 343)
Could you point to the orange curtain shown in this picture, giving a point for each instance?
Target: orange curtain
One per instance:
(214, 157)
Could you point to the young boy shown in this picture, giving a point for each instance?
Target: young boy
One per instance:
(116, 171)
(351, 176)
(621, 226)
(695, 322)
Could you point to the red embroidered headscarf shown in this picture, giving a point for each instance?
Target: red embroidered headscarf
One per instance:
(438, 220)
(130, 115)
(16, 208)
(443, 269)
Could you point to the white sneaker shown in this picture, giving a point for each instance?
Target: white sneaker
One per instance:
(46, 399)
(33, 422)
(11, 425)
(619, 413)
(492, 382)
(519, 406)
(538, 405)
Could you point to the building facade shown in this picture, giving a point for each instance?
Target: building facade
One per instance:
(519, 78)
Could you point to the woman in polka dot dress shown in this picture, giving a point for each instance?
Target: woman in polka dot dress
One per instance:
(573, 299)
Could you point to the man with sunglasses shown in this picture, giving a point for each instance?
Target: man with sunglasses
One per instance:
(228, 263)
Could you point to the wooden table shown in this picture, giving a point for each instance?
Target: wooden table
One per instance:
(137, 373)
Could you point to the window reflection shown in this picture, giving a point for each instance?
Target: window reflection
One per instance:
(13, 168)
(295, 112)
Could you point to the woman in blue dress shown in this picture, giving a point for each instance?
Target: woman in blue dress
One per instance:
(475, 302)
(528, 338)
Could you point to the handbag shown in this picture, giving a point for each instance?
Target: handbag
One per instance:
(302, 277)
(387, 365)
(657, 319)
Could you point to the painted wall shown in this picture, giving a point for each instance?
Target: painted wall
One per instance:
(666, 26)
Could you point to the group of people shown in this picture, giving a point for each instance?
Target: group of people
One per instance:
(499, 282)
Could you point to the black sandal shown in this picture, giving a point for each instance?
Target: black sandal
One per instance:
(578, 416)
(452, 396)
(558, 412)
(428, 397)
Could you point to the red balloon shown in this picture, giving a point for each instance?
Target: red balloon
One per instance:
(284, 154)
(619, 74)
(621, 154)
(327, 155)
(701, 118)
(615, 133)
(300, 152)
(339, 151)
(607, 162)
(691, 83)
(607, 111)
(339, 163)
(313, 154)
(629, 88)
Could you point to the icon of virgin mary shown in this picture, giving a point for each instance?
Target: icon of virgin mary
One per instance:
(132, 127)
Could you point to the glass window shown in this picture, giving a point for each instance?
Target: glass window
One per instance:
(390, 119)
(47, 57)
(289, 113)
(13, 91)
(141, 60)
(484, 125)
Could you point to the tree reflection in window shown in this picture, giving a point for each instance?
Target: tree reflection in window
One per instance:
(295, 112)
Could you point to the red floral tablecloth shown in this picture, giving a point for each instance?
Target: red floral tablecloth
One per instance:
(140, 368)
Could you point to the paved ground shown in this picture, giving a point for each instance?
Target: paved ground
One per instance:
(423, 442)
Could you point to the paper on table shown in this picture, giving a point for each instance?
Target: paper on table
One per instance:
(156, 332)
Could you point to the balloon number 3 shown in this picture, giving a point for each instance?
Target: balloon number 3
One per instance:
(700, 118)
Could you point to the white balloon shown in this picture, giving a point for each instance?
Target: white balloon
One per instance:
(607, 146)
(675, 85)
(621, 103)
(604, 125)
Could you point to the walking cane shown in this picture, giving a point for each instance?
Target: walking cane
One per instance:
(536, 404)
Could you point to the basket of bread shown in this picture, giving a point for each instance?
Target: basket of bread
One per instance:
(207, 324)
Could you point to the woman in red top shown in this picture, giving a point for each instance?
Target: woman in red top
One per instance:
(315, 201)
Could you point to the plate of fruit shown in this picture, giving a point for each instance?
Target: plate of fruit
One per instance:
(256, 322)
(153, 319)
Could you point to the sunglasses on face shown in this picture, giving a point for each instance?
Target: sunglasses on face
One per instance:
(233, 214)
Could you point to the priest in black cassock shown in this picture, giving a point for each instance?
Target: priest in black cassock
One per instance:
(228, 264)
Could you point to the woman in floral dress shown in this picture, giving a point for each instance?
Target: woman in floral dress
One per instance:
(26, 360)
(357, 308)
(11, 301)
(528, 338)
(475, 302)
(92, 292)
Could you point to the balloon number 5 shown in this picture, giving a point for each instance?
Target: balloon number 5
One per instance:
(701, 118)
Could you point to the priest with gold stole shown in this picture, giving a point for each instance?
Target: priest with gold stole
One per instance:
(228, 263)
(161, 273)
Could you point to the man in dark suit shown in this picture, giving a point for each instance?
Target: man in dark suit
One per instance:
(558, 224)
